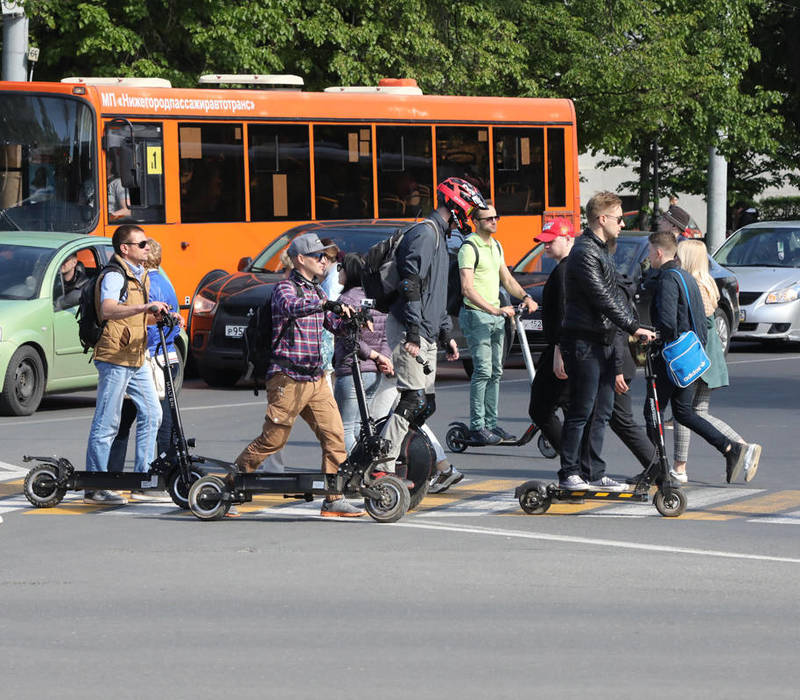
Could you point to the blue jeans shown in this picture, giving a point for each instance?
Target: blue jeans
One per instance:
(114, 381)
(485, 335)
(591, 371)
(380, 394)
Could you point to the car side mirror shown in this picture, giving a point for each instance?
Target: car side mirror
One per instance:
(244, 263)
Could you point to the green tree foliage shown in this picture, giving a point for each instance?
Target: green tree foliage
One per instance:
(677, 71)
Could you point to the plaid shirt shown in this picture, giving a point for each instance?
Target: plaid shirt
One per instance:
(300, 344)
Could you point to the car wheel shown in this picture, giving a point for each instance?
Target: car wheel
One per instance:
(24, 383)
(723, 327)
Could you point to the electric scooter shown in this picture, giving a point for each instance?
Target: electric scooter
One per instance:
(47, 483)
(457, 438)
(386, 496)
(536, 497)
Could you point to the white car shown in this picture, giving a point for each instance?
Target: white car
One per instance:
(766, 259)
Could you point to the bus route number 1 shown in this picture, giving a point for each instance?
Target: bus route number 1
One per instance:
(154, 160)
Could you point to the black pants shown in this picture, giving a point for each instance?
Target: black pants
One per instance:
(116, 457)
(548, 393)
(591, 371)
(683, 410)
(633, 436)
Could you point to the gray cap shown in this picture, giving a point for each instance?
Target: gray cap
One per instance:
(307, 244)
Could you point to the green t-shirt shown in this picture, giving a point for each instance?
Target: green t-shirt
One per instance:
(487, 273)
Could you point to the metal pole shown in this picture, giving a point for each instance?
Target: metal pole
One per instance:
(15, 42)
(717, 199)
(655, 181)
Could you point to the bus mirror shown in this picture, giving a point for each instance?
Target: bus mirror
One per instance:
(244, 263)
(127, 167)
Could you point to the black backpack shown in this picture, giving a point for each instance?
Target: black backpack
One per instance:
(379, 277)
(90, 328)
(258, 344)
(455, 297)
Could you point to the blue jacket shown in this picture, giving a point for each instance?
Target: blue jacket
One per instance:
(162, 290)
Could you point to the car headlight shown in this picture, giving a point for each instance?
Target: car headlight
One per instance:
(784, 295)
(203, 306)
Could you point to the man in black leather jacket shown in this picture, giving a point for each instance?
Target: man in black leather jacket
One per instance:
(595, 307)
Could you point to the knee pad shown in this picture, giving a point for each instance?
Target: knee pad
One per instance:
(411, 404)
(428, 411)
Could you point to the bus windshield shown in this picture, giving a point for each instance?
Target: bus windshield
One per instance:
(47, 164)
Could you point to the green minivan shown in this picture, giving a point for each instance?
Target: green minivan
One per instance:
(40, 352)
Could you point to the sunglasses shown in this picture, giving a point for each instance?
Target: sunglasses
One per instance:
(488, 218)
(611, 216)
(317, 256)
(140, 244)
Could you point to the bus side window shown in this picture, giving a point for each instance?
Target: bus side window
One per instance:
(211, 172)
(143, 204)
(343, 172)
(519, 170)
(280, 172)
(463, 151)
(405, 171)
(556, 168)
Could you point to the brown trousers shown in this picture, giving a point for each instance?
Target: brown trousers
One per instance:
(313, 402)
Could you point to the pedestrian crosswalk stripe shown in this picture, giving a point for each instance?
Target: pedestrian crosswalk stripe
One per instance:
(792, 518)
(769, 503)
(697, 497)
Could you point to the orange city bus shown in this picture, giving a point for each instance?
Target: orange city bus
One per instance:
(214, 174)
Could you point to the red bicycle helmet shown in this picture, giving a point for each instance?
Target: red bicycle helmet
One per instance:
(461, 198)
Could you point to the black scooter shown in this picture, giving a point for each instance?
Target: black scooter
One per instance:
(536, 497)
(457, 438)
(47, 483)
(386, 498)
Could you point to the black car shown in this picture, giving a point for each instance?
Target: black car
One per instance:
(223, 302)
(534, 268)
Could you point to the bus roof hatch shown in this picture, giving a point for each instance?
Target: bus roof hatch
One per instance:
(270, 82)
(121, 82)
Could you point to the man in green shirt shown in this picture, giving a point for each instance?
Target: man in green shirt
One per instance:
(482, 321)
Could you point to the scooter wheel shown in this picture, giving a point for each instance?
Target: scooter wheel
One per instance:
(392, 502)
(534, 502)
(456, 439)
(206, 498)
(178, 490)
(546, 448)
(670, 502)
(41, 487)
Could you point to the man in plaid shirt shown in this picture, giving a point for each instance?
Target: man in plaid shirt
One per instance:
(295, 381)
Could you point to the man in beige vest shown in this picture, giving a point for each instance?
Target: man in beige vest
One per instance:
(121, 298)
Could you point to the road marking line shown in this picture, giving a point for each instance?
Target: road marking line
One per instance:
(766, 359)
(568, 539)
(11, 488)
(792, 518)
(697, 497)
(11, 471)
(769, 503)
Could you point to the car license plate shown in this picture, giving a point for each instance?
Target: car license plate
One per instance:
(742, 315)
(234, 331)
(532, 324)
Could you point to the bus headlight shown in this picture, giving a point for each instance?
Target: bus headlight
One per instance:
(784, 295)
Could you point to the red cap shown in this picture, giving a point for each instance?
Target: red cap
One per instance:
(560, 226)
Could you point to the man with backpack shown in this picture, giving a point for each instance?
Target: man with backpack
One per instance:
(296, 385)
(418, 317)
(122, 307)
(482, 269)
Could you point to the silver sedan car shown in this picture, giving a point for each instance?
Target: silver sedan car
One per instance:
(766, 259)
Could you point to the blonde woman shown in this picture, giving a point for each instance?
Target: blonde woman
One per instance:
(694, 259)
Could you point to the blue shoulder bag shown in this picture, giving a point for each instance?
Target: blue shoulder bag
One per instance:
(685, 357)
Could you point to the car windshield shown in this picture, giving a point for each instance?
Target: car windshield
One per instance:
(761, 247)
(361, 241)
(21, 270)
(47, 164)
(534, 261)
(626, 256)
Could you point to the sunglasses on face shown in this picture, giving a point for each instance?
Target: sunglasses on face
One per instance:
(317, 256)
(618, 219)
(489, 218)
(140, 244)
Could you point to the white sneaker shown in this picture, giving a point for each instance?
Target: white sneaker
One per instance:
(104, 497)
(680, 477)
(751, 459)
(444, 480)
(573, 483)
(152, 495)
(608, 484)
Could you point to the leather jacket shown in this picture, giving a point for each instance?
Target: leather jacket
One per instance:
(595, 303)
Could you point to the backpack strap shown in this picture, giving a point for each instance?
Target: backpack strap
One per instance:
(478, 255)
(688, 300)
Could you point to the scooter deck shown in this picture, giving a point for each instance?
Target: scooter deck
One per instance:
(558, 494)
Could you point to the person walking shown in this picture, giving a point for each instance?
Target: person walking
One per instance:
(672, 313)
(549, 386)
(693, 258)
(161, 289)
(482, 269)
(419, 316)
(123, 304)
(594, 305)
(295, 382)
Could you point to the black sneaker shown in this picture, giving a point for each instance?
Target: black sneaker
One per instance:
(497, 430)
(734, 461)
(484, 436)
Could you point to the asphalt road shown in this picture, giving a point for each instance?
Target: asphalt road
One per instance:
(467, 597)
